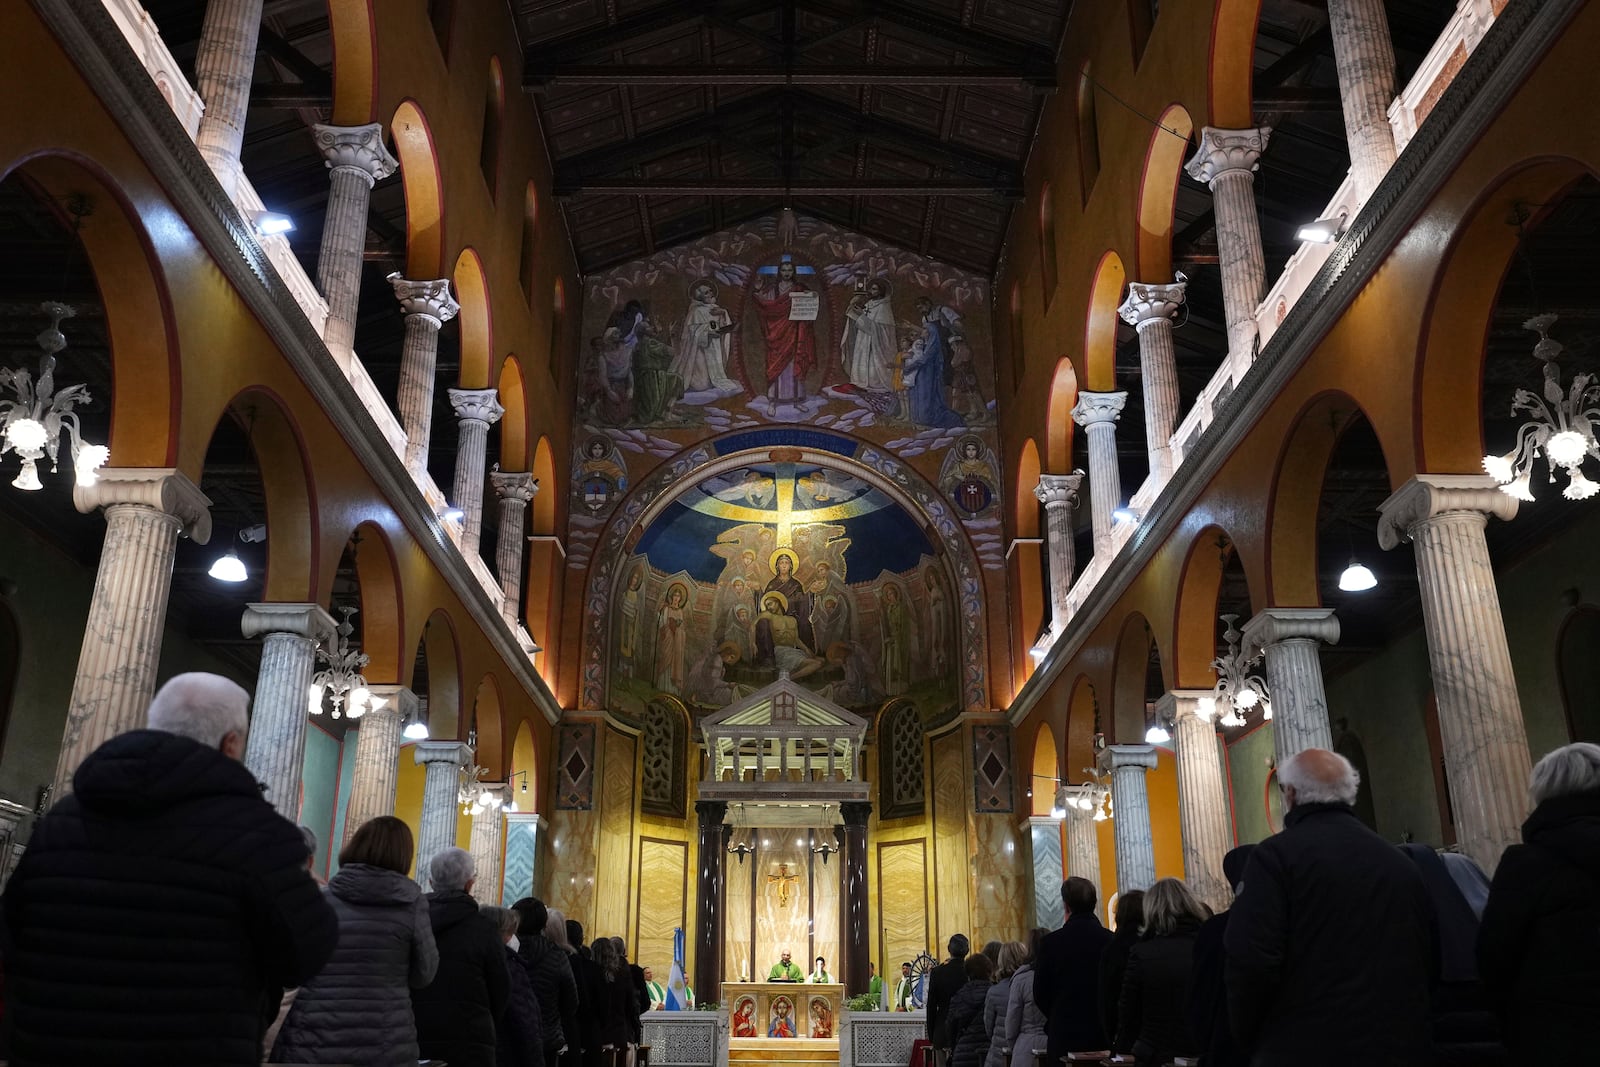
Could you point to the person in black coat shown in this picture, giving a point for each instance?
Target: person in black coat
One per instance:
(943, 981)
(641, 991)
(1330, 945)
(457, 1012)
(969, 1041)
(1151, 1021)
(618, 1010)
(1114, 961)
(519, 1035)
(1208, 982)
(1066, 982)
(550, 971)
(161, 908)
(1539, 943)
(591, 993)
(1466, 1032)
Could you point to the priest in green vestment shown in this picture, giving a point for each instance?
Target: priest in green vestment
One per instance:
(786, 970)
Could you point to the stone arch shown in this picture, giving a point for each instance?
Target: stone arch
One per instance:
(382, 604)
(441, 649)
(1232, 70)
(544, 501)
(1158, 190)
(558, 326)
(1100, 324)
(494, 113)
(1059, 426)
(1046, 770)
(1048, 263)
(355, 61)
(527, 262)
(476, 318)
(1130, 674)
(488, 715)
(514, 423)
(288, 482)
(1460, 305)
(1195, 618)
(1025, 503)
(1078, 740)
(1019, 361)
(146, 362)
(423, 185)
(524, 768)
(1088, 120)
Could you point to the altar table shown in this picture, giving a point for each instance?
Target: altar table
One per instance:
(783, 1009)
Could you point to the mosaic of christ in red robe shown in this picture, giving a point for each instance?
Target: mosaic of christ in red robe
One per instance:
(791, 345)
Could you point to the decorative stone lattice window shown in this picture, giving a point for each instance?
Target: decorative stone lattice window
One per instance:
(662, 744)
(900, 763)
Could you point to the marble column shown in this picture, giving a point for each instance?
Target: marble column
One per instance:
(145, 508)
(356, 159)
(515, 490)
(441, 791)
(1136, 854)
(521, 877)
(1098, 413)
(427, 306)
(1149, 309)
(487, 834)
(1291, 639)
(377, 769)
(224, 66)
(1480, 715)
(1059, 495)
(855, 931)
(276, 749)
(708, 917)
(1044, 836)
(1364, 58)
(1226, 161)
(1083, 851)
(477, 409)
(1202, 794)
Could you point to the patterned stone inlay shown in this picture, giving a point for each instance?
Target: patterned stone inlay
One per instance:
(575, 768)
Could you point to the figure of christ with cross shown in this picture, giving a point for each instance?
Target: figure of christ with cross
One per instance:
(783, 880)
(791, 342)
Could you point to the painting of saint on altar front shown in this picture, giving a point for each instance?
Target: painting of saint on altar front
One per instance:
(782, 1024)
(743, 1020)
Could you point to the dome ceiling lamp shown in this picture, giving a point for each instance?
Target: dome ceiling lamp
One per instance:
(1237, 692)
(31, 425)
(1561, 427)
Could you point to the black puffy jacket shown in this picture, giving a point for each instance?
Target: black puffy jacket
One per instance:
(969, 1042)
(519, 1036)
(157, 913)
(457, 1011)
(1151, 1022)
(550, 970)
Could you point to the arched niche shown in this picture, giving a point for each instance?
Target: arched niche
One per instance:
(476, 319)
(1059, 426)
(1100, 324)
(524, 773)
(1138, 678)
(419, 176)
(1210, 556)
(545, 500)
(1158, 188)
(488, 718)
(438, 662)
(1083, 723)
(514, 423)
(1047, 775)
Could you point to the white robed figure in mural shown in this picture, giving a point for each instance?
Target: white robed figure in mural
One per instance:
(869, 341)
(703, 345)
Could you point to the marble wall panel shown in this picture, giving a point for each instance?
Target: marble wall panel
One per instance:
(827, 891)
(615, 869)
(952, 854)
(1000, 890)
(662, 903)
(783, 915)
(569, 885)
(737, 943)
(902, 879)
(575, 766)
(522, 850)
(1048, 873)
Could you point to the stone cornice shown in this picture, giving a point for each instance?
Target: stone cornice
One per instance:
(1510, 50)
(109, 67)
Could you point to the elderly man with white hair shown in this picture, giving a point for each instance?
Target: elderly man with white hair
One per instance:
(1539, 942)
(457, 1014)
(161, 908)
(1330, 940)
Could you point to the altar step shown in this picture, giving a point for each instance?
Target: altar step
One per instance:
(782, 1052)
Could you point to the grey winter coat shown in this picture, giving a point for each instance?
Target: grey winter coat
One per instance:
(358, 1010)
(1025, 1023)
(994, 1022)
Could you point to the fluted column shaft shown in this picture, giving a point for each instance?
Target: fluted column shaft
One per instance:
(441, 789)
(1226, 161)
(224, 65)
(146, 509)
(1136, 853)
(1291, 641)
(1202, 796)
(377, 769)
(487, 836)
(1364, 58)
(1480, 715)
(1083, 846)
(515, 490)
(477, 409)
(275, 751)
(1059, 495)
(1149, 309)
(1098, 413)
(427, 307)
(356, 158)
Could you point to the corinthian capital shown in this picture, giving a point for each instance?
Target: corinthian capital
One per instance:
(1152, 302)
(1092, 408)
(358, 148)
(1428, 496)
(514, 485)
(431, 298)
(1223, 150)
(1059, 490)
(480, 404)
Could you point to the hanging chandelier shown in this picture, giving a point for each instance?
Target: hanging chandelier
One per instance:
(473, 796)
(340, 686)
(1087, 796)
(31, 425)
(1237, 691)
(1561, 428)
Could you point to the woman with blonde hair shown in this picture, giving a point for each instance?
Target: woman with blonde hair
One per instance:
(1152, 1022)
(1012, 955)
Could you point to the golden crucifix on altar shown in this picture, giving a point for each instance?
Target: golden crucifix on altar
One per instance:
(783, 880)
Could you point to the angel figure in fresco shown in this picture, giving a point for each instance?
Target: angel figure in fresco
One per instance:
(791, 342)
(670, 635)
(868, 344)
(938, 625)
(894, 623)
(704, 338)
(744, 1023)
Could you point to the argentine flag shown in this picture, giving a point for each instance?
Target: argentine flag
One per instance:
(677, 992)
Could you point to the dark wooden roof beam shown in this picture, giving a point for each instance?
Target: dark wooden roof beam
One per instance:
(1291, 99)
(1294, 61)
(946, 32)
(1001, 77)
(608, 39)
(294, 61)
(725, 187)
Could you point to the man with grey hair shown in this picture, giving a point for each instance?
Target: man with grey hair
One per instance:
(1539, 942)
(162, 907)
(457, 1014)
(1330, 940)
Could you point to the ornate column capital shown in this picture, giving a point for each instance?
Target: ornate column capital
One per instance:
(165, 489)
(1182, 704)
(357, 148)
(1138, 757)
(1271, 626)
(430, 298)
(514, 485)
(483, 405)
(711, 812)
(456, 752)
(1221, 151)
(1059, 490)
(302, 620)
(397, 698)
(1149, 302)
(1428, 496)
(1093, 408)
(855, 813)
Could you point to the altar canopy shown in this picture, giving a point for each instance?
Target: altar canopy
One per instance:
(784, 746)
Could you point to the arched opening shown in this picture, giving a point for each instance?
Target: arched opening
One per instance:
(494, 107)
(526, 258)
(487, 722)
(1019, 362)
(546, 560)
(1138, 681)
(436, 671)
(514, 423)
(1047, 243)
(1025, 563)
(1083, 728)
(476, 320)
(1058, 419)
(1088, 132)
(367, 572)
(544, 502)
(1158, 188)
(419, 176)
(354, 62)
(1578, 665)
(1100, 325)
(524, 776)
(1047, 777)
(1213, 582)
(558, 318)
